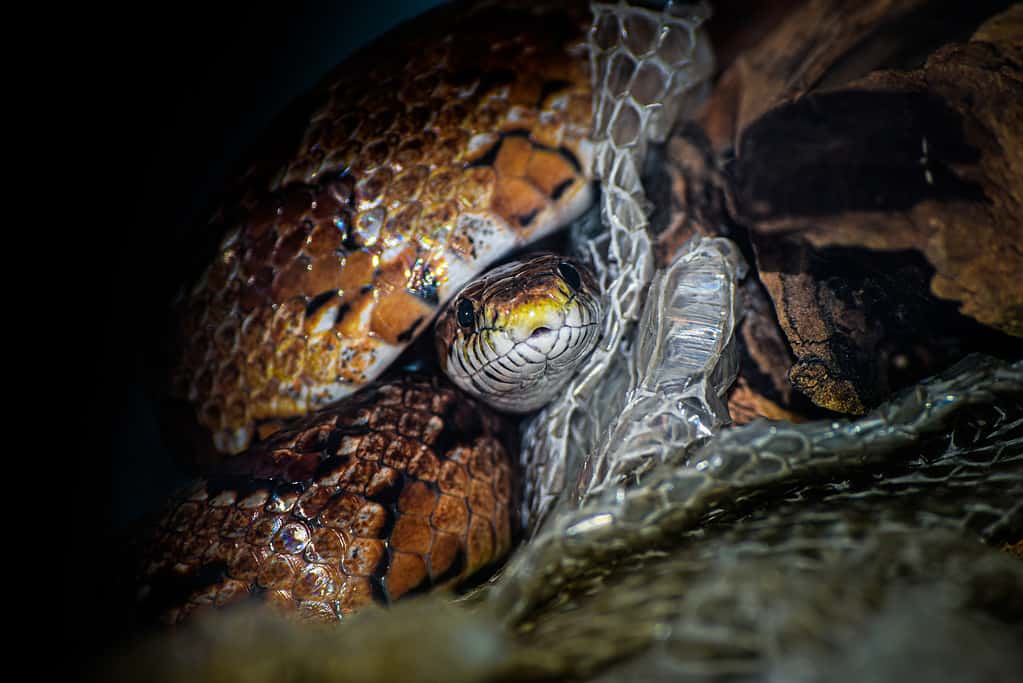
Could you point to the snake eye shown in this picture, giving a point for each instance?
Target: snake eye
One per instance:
(569, 274)
(466, 313)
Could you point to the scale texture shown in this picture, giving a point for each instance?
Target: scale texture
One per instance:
(415, 165)
(396, 489)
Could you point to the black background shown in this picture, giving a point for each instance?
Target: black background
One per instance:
(163, 102)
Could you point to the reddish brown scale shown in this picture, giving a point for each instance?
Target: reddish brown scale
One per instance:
(403, 486)
(339, 238)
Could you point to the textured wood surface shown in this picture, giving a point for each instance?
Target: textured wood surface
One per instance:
(867, 158)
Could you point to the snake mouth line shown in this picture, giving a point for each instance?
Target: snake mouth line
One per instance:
(474, 374)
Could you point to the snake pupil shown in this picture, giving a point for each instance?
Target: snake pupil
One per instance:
(570, 274)
(466, 313)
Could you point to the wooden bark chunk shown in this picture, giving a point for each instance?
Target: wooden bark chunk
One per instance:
(868, 158)
(791, 59)
(887, 218)
(819, 44)
(690, 187)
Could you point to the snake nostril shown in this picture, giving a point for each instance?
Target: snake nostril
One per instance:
(540, 331)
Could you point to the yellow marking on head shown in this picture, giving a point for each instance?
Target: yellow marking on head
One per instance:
(525, 316)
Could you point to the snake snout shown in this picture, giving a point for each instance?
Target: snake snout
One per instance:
(530, 331)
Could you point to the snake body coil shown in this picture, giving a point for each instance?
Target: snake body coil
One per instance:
(403, 486)
(422, 161)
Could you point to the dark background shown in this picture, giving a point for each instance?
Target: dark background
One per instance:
(165, 101)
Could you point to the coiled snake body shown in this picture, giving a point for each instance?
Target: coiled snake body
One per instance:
(423, 161)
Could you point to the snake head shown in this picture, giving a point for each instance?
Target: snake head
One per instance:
(514, 336)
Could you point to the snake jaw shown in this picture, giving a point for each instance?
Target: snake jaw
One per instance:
(529, 331)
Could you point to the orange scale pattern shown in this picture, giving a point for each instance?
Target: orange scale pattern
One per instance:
(399, 488)
(336, 241)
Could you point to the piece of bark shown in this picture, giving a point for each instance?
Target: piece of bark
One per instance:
(692, 190)
(974, 241)
(877, 207)
(746, 404)
(855, 319)
(789, 60)
(824, 43)
(929, 160)
(687, 180)
(763, 388)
